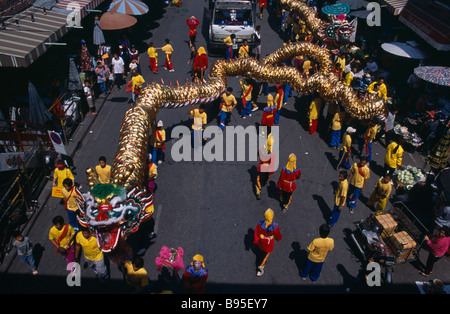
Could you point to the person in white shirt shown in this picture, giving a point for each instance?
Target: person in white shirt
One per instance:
(89, 99)
(118, 67)
(371, 66)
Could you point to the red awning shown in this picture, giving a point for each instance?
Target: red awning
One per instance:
(430, 20)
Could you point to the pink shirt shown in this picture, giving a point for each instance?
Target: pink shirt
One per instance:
(439, 246)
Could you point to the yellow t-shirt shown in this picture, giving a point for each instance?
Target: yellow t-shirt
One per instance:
(341, 192)
(337, 119)
(246, 90)
(158, 141)
(54, 234)
(90, 247)
(60, 175)
(348, 78)
(153, 170)
(70, 197)
(319, 248)
(341, 62)
(357, 179)
(228, 101)
(137, 278)
(228, 41)
(104, 174)
(346, 142)
(314, 108)
(137, 80)
(392, 159)
(383, 189)
(152, 52)
(199, 118)
(371, 133)
(243, 52)
(382, 92)
(168, 49)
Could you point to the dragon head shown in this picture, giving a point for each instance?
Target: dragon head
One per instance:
(111, 212)
(337, 32)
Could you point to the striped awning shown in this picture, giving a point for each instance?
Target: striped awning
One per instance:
(395, 6)
(21, 45)
(82, 5)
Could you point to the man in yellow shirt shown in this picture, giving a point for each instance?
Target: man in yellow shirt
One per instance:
(157, 141)
(229, 42)
(136, 84)
(103, 170)
(314, 111)
(346, 149)
(336, 125)
(227, 106)
(62, 235)
(136, 275)
(365, 145)
(279, 97)
(394, 156)
(153, 58)
(70, 196)
(380, 194)
(359, 174)
(382, 89)
(198, 125)
(349, 77)
(246, 98)
(244, 50)
(61, 172)
(340, 198)
(168, 49)
(317, 252)
(85, 241)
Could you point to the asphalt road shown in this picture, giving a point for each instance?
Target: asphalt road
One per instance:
(209, 208)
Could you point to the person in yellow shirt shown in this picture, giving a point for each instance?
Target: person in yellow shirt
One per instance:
(340, 198)
(157, 141)
(336, 126)
(86, 242)
(229, 42)
(314, 111)
(244, 50)
(136, 84)
(226, 108)
(246, 98)
(317, 252)
(103, 170)
(151, 175)
(381, 91)
(279, 97)
(359, 174)
(61, 172)
(62, 236)
(349, 77)
(153, 58)
(380, 194)
(136, 275)
(70, 196)
(394, 156)
(346, 149)
(198, 124)
(366, 144)
(341, 61)
(168, 49)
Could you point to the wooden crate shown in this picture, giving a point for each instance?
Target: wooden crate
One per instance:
(403, 245)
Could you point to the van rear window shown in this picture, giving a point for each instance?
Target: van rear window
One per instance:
(233, 17)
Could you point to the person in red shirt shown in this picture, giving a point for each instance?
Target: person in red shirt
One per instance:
(269, 112)
(265, 233)
(261, 4)
(438, 245)
(286, 181)
(200, 63)
(192, 23)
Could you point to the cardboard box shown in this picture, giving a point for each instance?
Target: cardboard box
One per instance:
(403, 245)
(387, 223)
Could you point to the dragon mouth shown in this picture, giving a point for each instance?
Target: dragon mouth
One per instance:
(107, 238)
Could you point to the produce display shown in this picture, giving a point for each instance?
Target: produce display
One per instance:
(409, 176)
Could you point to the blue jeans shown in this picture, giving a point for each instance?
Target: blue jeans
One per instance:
(228, 53)
(343, 160)
(102, 86)
(335, 138)
(265, 89)
(73, 221)
(28, 259)
(157, 154)
(224, 118)
(287, 92)
(248, 109)
(277, 117)
(334, 215)
(315, 267)
(369, 150)
(354, 191)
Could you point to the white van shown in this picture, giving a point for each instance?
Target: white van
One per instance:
(231, 17)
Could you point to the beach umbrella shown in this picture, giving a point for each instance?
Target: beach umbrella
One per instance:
(38, 112)
(130, 7)
(407, 50)
(434, 74)
(336, 9)
(98, 38)
(115, 21)
(74, 83)
(354, 4)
